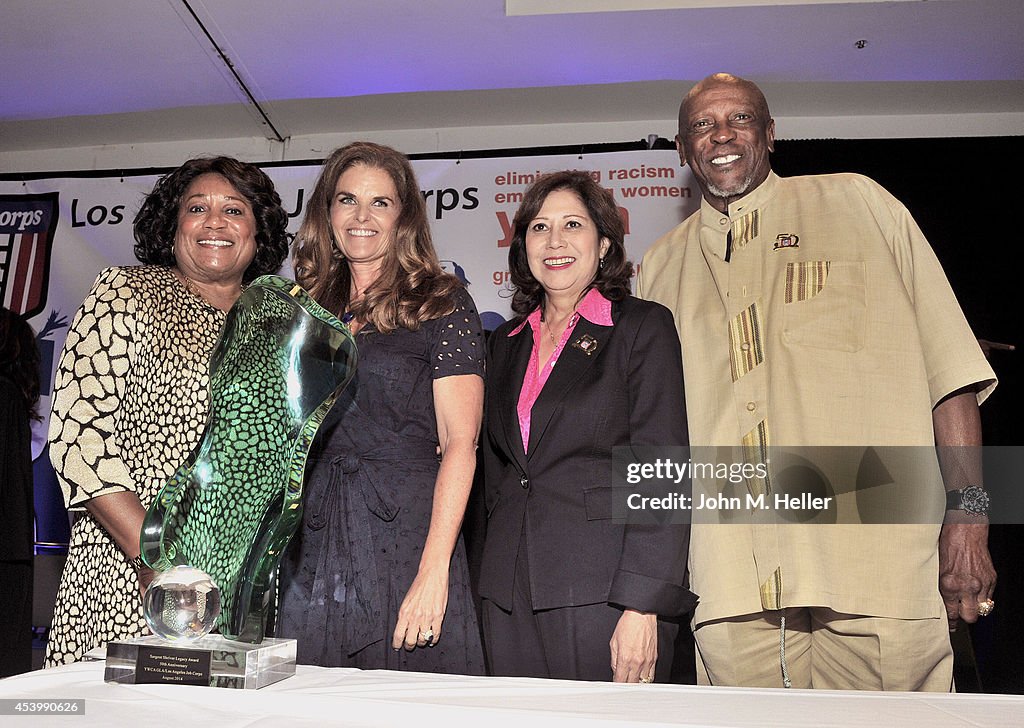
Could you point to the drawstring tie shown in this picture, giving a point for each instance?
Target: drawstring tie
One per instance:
(786, 682)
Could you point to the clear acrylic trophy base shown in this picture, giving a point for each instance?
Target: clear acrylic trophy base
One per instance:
(211, 660)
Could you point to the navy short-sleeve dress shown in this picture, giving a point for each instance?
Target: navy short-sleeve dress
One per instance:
(367, 504)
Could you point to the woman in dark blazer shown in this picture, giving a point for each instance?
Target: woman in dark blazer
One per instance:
(584, 368)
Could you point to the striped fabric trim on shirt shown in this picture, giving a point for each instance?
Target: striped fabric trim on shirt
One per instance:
(805, 279)
(746, 228)
(771, 591)
(746, 346)
(755, 450)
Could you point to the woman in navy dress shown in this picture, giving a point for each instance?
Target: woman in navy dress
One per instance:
(377, 576)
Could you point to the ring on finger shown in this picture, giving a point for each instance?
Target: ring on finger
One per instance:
(985, 607)
(646, 680)
(427, 635)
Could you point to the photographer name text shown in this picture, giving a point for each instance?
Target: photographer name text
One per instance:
(748, 502)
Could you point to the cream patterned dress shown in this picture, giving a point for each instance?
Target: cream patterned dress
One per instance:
(130, 403)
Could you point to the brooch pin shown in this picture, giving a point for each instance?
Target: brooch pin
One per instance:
(786, 240)
(586, 343)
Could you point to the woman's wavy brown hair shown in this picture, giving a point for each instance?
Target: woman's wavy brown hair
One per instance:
(412, 287)
(157, 220)
(612, 278)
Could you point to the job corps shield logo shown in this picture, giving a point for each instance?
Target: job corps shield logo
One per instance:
(27, 226)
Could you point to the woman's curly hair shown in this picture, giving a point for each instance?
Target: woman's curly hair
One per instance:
(19, 358)
(157, 221)
(612, 278)
(412, 287)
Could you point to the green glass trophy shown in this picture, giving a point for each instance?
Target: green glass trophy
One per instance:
(218, 528)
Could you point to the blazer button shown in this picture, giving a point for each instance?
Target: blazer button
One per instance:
(524, 481)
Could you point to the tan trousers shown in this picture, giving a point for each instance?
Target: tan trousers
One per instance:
(820, 648)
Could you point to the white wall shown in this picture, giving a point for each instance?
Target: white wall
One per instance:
(453, 139)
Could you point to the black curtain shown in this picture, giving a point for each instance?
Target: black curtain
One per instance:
(961, 192)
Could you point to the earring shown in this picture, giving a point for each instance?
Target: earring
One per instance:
(600, 263)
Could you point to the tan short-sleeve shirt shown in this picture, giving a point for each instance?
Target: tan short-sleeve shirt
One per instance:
(832, 324)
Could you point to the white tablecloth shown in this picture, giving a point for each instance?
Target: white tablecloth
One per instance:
(346, 697)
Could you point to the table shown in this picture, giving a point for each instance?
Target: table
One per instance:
(375, 698)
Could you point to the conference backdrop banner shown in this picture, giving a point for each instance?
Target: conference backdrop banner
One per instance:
(57, 234)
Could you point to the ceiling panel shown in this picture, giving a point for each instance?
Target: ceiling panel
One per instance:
(394, 46)
(66, 57)
(378, 61)
(547, 7)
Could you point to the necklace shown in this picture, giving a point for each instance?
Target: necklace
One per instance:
(349, 316)
(192, 288)
(551, 332)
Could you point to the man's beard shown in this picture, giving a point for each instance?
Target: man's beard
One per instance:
(735, 191)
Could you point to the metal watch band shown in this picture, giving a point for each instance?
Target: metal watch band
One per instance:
(972, 499)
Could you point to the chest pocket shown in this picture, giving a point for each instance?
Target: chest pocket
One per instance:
(825, 305)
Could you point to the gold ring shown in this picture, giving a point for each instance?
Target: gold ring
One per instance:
(646, 680)
(985, 607)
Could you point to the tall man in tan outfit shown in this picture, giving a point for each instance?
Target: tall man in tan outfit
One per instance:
(812, 311)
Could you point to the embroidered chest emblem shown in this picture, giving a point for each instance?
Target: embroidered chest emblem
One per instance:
(586, 343)
(786, 240)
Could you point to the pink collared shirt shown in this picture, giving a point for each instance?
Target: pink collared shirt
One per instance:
(596, 309)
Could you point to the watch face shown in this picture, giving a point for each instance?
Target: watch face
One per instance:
(974, 500)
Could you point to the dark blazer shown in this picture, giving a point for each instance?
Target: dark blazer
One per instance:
(627, 391)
